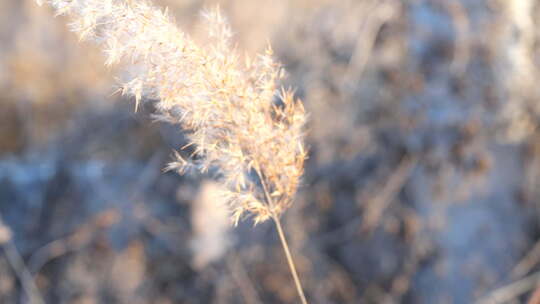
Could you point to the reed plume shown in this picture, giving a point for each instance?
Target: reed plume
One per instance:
(237, 118)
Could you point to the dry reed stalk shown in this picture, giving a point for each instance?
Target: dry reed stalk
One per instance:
(228, 105)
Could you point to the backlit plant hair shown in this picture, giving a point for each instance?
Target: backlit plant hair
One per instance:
(237, 118)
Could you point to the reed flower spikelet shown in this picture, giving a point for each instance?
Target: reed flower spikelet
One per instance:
(237, 118)
(228, 105)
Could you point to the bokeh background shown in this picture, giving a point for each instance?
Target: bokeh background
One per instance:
(422, 186)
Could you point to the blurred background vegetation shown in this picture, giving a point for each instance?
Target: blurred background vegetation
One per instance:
(422, 186)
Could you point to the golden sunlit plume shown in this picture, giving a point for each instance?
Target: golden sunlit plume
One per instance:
(237, 118)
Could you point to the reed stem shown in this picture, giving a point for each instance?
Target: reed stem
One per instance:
(292, 266)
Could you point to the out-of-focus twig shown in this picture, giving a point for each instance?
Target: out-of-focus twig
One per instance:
(462, 42)
(507, 293)
(381, 12)
(527, 263)
(18, 265)
(73, 242)
(241, 278)
(532, 180)
(376, 206)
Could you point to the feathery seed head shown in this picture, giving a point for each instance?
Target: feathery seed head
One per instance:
(227, 105)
